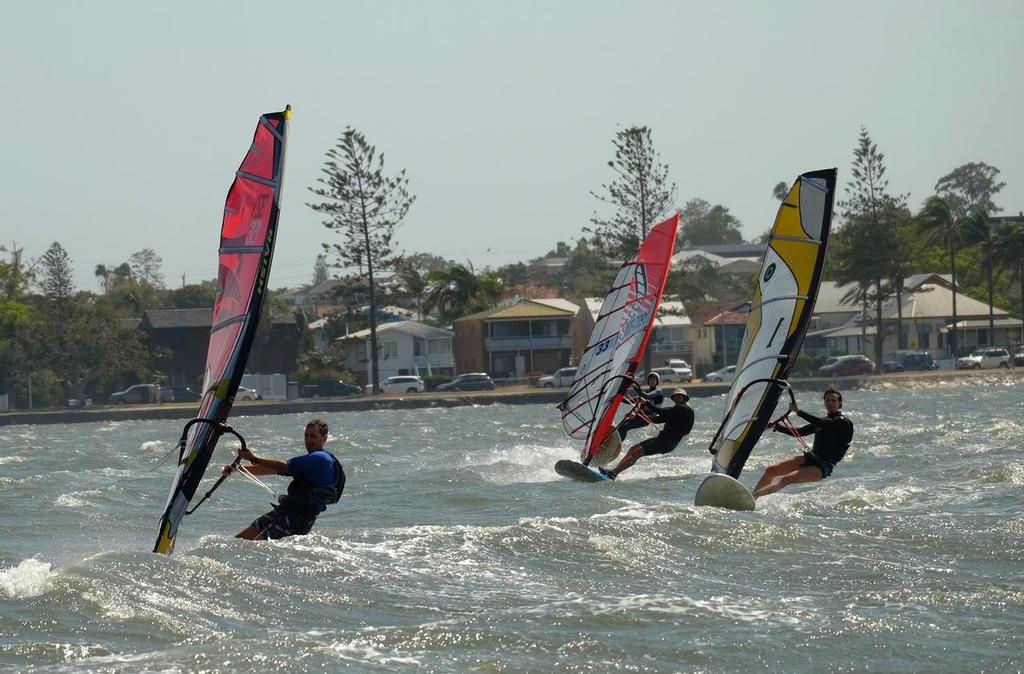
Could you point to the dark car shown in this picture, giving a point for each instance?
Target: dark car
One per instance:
(137, 394)
(470, 381)
(330, 387)
(183, 394)
(845, 366)
(903, 361)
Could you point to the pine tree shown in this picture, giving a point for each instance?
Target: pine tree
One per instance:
(364, 206)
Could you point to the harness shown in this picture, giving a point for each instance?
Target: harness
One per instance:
(303, 493)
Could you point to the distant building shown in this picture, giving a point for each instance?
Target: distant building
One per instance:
(185, 334)
(403, 347)
(532, 335)
(841, 328)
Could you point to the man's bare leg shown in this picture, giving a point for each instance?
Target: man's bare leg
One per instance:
(805, 474)
(777, 470)
(634, 453)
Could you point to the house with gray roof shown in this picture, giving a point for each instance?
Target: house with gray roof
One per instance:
(403, 347)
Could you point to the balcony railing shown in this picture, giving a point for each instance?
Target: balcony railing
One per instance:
(673, 346)
(528, 343)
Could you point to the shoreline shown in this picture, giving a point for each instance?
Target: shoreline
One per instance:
(516, 395)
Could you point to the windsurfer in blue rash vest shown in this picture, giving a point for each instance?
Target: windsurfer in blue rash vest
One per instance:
(678, 421)
(832, 437)
(651, 398)
(317, 481)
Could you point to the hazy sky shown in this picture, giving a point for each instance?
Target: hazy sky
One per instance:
(126, 120)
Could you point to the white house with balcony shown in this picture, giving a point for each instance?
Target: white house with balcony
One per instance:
(403, 347)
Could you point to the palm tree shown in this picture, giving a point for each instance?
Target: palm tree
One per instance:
(978, 231)
(936, 220)
(1008, 252)
(454, 291)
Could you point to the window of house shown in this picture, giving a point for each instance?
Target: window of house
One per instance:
(387, 349)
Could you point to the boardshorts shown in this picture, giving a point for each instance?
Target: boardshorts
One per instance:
(658, 445)
(279, 523)
(810, 460)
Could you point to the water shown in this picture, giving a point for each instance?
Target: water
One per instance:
(457, 549)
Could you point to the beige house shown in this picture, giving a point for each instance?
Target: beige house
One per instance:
(531, 335)
(927, 310)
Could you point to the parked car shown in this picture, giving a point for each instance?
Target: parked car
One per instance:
(330, 387)
(724, 374)
(984, 359)
(1018, 358)
(845, 366)
(902, 361)
(400, 383)
(246, 393)
(183, 394)
(136, 394)
(682, 369)
(469, 381)
(560, 377)
(666, 375)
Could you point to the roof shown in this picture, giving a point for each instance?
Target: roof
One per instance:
(755, 250)
(166, 319)
(728, 318)
(414, 328)
(983, 323)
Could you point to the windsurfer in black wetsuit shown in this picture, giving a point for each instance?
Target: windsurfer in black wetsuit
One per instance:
(651, 399)
(832, 437)
(317, 481)
(678, 421)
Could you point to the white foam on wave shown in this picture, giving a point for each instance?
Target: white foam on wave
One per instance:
(12, 459)
(363, 651)
(76, 499)
(30, 578)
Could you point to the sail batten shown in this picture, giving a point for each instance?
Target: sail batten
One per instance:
(248, 234)
(780, 313)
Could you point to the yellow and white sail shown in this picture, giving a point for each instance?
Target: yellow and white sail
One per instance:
(779, 315)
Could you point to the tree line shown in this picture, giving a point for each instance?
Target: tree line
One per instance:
(61, 342)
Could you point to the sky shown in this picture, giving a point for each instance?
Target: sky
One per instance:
(126, 120)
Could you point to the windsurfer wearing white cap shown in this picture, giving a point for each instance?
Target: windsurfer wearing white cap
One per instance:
(678, 421)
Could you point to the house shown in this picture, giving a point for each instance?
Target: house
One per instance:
(718, 339)
(531, 335)
(403, 347)
(927, 321)
(185, 335)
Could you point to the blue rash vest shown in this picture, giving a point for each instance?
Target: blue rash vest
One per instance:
(312, 473)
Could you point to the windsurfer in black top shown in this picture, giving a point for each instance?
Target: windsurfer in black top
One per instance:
(832, 436)
(650, 399)
(678, 421)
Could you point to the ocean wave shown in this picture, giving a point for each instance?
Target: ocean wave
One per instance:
(30, 578)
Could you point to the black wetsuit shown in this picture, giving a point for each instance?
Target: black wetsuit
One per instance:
(678, 421)
(652, 398)
(832, 437)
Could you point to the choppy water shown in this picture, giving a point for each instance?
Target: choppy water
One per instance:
(457, 549)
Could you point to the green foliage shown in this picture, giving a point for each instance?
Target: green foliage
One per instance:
(56, 281)
(430, 381)
(315, 365)
(192, 296)
(969, 189)
(641, 194)
(703, 224)
(15, 275)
